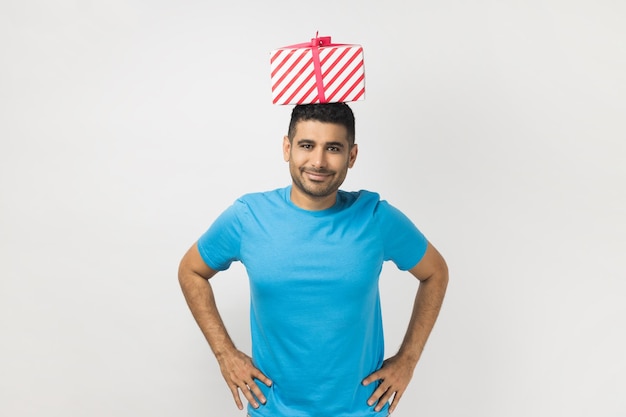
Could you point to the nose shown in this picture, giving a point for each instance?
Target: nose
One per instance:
(319, 157)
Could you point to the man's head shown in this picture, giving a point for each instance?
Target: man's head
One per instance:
(337, 113)
(320, 149)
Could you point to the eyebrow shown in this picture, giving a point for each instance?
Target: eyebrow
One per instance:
(332, 143)
(337, 144)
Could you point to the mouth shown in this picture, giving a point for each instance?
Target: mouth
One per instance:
(317, 175)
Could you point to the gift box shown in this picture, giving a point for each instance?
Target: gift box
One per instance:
(317, 72)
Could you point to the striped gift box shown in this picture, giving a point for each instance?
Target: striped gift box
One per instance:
(317, 72)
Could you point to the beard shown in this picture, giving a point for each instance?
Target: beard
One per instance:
(317, 189)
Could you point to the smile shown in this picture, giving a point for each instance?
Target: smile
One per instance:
(317, 176)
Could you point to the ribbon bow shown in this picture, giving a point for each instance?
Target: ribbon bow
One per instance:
(323, 41)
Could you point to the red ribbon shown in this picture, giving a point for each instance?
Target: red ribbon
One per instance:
(315, 44)
(317, 67)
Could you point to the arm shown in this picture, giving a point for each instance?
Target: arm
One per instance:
(397, 371)
(236, 367)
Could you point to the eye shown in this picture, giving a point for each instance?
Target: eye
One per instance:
(306, 146)
(334, 149)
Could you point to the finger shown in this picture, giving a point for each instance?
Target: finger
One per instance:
(384, 400)
(375, 397)
(235, 392)
(257, 392)
(371, 378)
(261, 377)
(395, 401)
(248, 394)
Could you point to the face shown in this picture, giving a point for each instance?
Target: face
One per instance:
(319, 156)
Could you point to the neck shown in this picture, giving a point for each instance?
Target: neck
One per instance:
(312, 203)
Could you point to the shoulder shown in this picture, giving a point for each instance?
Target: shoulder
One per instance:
(382, 209)
(260, 202)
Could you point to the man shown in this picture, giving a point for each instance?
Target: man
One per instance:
(313, 255)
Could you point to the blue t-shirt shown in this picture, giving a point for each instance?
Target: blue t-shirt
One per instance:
(315, 308)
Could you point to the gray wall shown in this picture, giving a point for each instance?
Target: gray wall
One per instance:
(127, 127)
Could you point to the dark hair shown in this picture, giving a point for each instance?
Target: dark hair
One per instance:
(339, 113)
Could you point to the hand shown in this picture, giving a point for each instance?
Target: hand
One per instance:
(394, 377)
(239, 372)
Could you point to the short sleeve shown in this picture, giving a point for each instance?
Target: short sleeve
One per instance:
(220, 245)
(403, 242)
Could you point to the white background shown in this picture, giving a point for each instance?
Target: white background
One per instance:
(127, 127)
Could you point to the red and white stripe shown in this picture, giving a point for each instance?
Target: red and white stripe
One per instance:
(293, 74)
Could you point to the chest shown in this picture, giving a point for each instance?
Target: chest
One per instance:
(324, 255)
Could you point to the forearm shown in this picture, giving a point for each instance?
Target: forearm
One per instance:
(397, 371)
(237, 368)
(426, 307)
(199, 296)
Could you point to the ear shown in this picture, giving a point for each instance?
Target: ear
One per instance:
(354, 150)
(286, 148)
